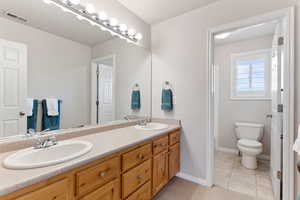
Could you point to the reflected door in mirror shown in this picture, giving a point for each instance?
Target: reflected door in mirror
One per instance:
(106, 105)
(13, 88)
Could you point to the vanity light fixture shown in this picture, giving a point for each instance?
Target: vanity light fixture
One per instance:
(89, 14)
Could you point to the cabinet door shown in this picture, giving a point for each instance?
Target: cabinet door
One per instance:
(55, 191)
(160, 171)
(174, 163)
(110, 191)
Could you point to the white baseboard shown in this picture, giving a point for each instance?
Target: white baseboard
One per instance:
(235, 151)
(191, 178)
(228, 150)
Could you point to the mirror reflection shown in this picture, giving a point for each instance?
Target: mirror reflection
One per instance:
(63, 74)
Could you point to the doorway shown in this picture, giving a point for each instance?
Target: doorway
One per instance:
(249, 79)
(103, 90)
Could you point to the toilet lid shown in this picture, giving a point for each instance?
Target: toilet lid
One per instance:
(250, 143)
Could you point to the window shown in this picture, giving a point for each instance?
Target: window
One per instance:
(251, 75)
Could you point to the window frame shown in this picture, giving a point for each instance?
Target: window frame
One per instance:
(263, 53)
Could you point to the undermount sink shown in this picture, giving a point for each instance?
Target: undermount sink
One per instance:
(34, 158)
(152, 126)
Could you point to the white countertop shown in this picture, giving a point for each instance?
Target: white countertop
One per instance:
(104, 143)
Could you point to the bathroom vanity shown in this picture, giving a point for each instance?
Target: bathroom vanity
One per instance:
(137, 168)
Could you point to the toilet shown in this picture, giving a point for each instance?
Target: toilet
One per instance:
(249, 136)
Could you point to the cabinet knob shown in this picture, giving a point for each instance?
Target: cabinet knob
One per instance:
(139, 177)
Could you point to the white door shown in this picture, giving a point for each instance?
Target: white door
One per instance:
(277, 115)
(13, 88)
(106, 106)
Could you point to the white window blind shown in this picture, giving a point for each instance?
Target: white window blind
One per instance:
(251, 75)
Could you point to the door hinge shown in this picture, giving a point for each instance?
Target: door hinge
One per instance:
(280, 41)
(280, 108)
(97, 103)
(279, 175)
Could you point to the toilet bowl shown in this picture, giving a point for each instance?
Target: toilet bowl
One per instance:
(250, 149)
(249, 136)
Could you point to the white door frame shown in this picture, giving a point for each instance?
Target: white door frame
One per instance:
(288, 127)
(93, 89)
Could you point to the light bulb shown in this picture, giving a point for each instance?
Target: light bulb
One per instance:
(75, 2)
(102, 15)
(131, 32)
(123, 27)
(90, 8)
(138, 36)
(47, 1)
(113, 22)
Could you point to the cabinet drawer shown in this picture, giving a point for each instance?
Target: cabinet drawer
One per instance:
(110, 191)
(55, 191)
(160, 145)
(174, 138)
(93, 177)
(144, 193)
(136, 177)
(136, 156)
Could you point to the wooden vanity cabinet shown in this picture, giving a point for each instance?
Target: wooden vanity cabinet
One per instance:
(160, 171)
(136, 173)
(55, 191)
(110, 191)
(174, 156)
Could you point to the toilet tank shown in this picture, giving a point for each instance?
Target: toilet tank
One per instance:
(252, 131)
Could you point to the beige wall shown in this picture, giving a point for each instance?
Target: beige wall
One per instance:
(231, 111)
(179, 48)
(133, 65)
(57, 67)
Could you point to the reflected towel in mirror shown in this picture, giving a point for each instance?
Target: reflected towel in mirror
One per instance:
(52, 107)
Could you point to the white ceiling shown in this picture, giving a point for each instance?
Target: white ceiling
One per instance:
(53, 20)
(155, 11)
(248, 33)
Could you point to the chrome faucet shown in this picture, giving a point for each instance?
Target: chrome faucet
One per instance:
(142, 122)
(42, 144)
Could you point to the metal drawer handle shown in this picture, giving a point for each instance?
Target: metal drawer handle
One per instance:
(104, 173)
(140, 156)
(140, 177)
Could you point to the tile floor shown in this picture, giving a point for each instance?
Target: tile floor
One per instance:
(231, 175)
(179, 189)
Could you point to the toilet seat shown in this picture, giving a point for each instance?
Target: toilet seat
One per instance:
(249, 143)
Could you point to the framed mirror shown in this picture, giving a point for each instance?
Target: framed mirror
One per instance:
(77, 71)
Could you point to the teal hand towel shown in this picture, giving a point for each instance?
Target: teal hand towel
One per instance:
(136, 100)
(167, 100)
(32, 120)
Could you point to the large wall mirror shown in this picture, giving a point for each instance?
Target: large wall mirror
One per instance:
(58, 71)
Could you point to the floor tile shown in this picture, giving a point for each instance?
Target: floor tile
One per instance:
(230, 174)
